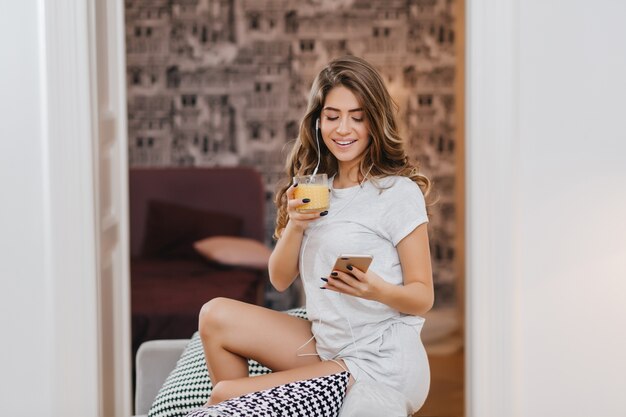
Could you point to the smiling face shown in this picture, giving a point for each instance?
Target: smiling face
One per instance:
(344, 128)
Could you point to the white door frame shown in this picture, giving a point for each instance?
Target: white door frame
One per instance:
(108, 71)
(492, 185)
(84, 81)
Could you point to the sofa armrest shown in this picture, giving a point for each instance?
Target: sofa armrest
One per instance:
(154, 361)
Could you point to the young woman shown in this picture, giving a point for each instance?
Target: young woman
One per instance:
(367, 323)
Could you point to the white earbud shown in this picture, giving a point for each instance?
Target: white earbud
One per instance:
(317, 124)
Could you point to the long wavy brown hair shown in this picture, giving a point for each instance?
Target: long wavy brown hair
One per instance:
(385, 154)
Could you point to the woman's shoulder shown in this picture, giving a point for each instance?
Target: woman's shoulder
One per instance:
(397, 184)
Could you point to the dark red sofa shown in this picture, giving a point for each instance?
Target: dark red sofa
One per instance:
(170, 208)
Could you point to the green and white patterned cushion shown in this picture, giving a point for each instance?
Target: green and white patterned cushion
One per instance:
(188, 386)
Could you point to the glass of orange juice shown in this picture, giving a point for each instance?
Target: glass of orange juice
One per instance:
(315, 188)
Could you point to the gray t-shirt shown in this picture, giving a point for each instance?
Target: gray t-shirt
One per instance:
(370, 219)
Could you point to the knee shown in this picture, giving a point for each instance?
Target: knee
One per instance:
(213, 315)
(220, 392)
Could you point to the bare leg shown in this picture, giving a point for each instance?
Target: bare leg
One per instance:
(233, 331)
(227, 389)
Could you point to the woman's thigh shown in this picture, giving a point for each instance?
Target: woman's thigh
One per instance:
(275, 339)
(225, 390)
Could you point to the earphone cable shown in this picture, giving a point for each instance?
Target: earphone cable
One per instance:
(317, 141)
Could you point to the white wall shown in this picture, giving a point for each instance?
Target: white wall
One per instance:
(49, 353)
(25, 321)
(572, 107)
(547, 208)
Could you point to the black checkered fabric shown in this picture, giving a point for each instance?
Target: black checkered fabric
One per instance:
(188, 386)
(316, 397)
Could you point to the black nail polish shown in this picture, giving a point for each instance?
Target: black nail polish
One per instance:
(323, 288)
(349, 267)
(295, 185)
(324, 279)
(306, 200)
(333, 274)
(324, 213)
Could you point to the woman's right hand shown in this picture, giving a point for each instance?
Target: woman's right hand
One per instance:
(297, 220)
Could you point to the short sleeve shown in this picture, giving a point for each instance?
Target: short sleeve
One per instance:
(403, 209)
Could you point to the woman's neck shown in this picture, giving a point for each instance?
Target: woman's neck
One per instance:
(347, 175)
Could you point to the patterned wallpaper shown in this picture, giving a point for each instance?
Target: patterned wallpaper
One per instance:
(224, 82)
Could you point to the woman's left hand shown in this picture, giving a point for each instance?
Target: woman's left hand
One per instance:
(367, 285)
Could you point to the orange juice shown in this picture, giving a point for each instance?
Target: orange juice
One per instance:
(317, 193)
(315, 188)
